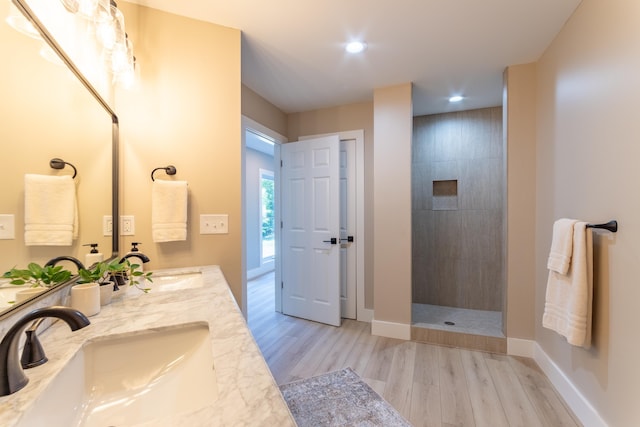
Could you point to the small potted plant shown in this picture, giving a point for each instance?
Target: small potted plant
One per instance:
(103, 273)
(115, 273)
(37, 277)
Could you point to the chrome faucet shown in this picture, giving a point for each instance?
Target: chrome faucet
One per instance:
(56, 260)
(12, 377)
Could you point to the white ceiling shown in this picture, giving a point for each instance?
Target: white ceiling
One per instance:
(292, 50)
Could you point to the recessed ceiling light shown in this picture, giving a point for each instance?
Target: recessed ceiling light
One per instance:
(355, 47)
(456, 98)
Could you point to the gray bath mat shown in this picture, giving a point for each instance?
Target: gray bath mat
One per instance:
(339, 398)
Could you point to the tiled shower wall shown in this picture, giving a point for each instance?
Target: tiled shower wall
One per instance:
(458, 209)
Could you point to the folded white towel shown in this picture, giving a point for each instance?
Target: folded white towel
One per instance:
(169, 211)
(568, 304)
(50, 210)
(561, 246)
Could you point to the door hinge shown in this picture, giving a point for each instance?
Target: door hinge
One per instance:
(281, 224)
(281, 285)
(280, 163)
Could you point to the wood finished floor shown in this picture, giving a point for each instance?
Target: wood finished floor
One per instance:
(429, 385)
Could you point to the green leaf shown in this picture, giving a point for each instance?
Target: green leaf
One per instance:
(37, 275)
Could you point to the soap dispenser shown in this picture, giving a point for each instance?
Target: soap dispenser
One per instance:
(93, 256)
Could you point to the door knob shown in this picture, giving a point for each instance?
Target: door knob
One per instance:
(333, 241)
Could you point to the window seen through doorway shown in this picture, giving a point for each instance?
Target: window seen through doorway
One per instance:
(267, 246)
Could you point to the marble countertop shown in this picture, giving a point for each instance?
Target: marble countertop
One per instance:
(247, 392)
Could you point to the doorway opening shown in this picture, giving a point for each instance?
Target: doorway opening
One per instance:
(258, 249)
(261, 159)
(458, 193)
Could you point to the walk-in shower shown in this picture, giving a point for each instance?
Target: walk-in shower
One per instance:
(458, 199)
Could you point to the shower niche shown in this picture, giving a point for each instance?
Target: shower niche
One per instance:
(445, 195)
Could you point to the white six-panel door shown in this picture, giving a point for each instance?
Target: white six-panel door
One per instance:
(310, 220)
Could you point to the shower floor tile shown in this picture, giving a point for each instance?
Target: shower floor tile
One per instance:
(478, 322)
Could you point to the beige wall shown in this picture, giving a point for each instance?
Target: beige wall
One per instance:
(345, 118)
(393, 117)
(185, 111)
(262, 111)
(587, 167)
(520, 81)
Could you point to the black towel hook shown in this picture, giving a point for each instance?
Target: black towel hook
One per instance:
(170, 170)
(57, 163)
(611, 226)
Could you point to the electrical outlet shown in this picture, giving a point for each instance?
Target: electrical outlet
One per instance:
(127, 225)
(107, 225)
(214, 224)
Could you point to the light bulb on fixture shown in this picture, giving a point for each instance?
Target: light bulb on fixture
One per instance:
(47, 53)
(456, 98)
(71, 5)
(127, 79)
(111, 31)
(18, 22)
(122, 57)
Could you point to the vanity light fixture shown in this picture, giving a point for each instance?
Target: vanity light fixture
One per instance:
(456, 98)
(355, 47)
(106, 21)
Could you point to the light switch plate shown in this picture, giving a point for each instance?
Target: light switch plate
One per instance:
(214, 224)
(7, 227)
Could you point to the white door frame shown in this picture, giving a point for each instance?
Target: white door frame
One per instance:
(253, 126)
(363, 314)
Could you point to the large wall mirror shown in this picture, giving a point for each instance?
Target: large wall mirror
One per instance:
(49, 109)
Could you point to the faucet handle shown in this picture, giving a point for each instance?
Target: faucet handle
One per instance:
(32, 353)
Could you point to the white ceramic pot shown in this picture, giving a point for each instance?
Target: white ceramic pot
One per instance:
(26, 294)
(106, 293)
(86, 298)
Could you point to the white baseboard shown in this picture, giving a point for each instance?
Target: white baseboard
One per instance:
(365, 315)
(399, 331)
(580, 406)
(520, 347)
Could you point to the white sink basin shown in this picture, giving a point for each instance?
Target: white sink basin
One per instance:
(130, 379)
(174, 281)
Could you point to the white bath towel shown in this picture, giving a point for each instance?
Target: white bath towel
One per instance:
(50, 210)
(568, 304)
(169, 211)
(561, 246)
